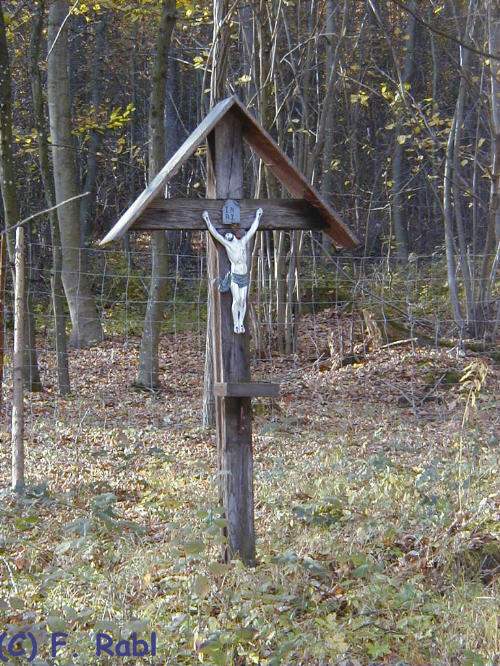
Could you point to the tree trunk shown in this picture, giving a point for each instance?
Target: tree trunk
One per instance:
(88, 203)
(398, 198)
(268, 185)
(280, 281)
(247, 48)
(11, 209)
(457, 188)
(490, 265)
(86, 327)
(208, 416)
(448, 231)
(217, 92)
(148, 372)
(132, 137)
(292, 313)
(57, 290)
(32, 379)
(326, 124)
(494, 46)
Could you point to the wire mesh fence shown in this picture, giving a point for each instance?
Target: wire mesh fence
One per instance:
(330, 309)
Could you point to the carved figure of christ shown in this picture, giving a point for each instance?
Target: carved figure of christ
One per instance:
(238, 251)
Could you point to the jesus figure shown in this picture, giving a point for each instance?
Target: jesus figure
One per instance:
(236, 279)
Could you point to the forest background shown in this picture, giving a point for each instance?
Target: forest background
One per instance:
(392, 110)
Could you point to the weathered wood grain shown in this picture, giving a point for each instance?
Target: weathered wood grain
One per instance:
(231, 357)
(265, 147)
(185, 214)
(170, 169)
(285, 171)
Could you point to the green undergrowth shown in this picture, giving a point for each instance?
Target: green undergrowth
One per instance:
(377, 526)
(418, 292)
(361, 557)
(124, 320)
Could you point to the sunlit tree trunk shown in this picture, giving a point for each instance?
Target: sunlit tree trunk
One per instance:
(491, 265)
(86, 327)
(58, 298)
(88, 203)
(452, 197)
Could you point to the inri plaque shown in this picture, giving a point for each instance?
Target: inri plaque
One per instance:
(231, 212)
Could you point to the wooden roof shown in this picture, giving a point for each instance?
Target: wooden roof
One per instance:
(265, 147)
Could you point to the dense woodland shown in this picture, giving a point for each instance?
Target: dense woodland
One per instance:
(375, 470)
(390, 109)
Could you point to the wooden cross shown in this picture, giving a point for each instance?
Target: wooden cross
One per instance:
(225, 129)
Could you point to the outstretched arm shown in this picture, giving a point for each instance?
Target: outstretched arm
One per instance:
(213, 230)
(255, 225)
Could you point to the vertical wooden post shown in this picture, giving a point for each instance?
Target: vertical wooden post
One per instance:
(3, 253)
(18, 371)
(231, 358)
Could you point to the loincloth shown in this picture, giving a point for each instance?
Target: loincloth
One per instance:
(224, 283)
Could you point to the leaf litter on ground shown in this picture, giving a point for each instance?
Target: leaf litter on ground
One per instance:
(376, 504)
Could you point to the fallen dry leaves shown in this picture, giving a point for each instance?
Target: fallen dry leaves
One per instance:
(341, 458)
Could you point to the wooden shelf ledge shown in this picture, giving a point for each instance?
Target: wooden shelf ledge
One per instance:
(246, 390)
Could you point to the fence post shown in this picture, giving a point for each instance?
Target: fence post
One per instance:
(3, 268)
(18, 369)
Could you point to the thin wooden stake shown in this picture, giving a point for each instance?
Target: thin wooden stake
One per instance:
(18, 371)
(3, 251)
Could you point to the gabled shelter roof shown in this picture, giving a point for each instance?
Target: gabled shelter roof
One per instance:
(265, 147)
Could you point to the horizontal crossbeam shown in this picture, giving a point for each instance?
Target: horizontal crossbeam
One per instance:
(185, 214)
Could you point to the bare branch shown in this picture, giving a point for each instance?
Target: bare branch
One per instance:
(61, 28)
(42, 212)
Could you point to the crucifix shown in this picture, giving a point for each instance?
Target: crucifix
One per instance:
(232, 221)
(237, 279)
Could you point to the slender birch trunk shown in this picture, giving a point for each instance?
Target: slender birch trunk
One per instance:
(326, 125)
